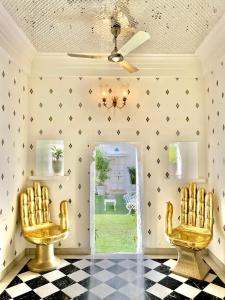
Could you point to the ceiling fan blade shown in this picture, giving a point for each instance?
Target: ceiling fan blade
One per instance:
(135, 41)
(84, 55)
(128, 67)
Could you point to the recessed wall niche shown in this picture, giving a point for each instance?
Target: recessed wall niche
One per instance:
(183, 160)
(49, 157)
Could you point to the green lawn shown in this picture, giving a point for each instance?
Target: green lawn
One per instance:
(115, 231)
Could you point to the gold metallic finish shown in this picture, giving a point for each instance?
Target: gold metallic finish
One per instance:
(194, 233)
(39, 230)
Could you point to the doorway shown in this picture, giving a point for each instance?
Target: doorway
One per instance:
(116, 210)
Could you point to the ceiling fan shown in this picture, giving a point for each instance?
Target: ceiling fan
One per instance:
(116, 55)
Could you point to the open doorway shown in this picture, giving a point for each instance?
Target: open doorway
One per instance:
(115, 200)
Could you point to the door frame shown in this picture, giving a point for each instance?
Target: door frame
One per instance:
(140, 158)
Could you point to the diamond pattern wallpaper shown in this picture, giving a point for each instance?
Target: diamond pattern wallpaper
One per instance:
(215, 90)
(13, 153)
(158, 111)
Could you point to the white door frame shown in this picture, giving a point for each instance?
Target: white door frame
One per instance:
(140, 160)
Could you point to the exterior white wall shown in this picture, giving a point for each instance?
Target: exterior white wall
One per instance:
(119, 178)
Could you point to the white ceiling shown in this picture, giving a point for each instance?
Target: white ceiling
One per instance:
(176, 26)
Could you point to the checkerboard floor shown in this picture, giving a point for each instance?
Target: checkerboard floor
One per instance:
(111, 279)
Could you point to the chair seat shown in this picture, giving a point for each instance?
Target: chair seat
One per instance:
(46, 234)
(190, 237)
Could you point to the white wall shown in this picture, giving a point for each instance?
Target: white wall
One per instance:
(161, 110)
(13, 153)
(215, 89)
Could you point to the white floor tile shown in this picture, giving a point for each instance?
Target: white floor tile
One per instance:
(102, 290)
(74, 290)
(188, 291)
(82, 264)
(46, 290)
(170, 263)
(128, 264)
(63, 264)
(54, 275)
(18, 289)
(159, 290)
(129, 275)
(105, 264)
(131, 291)
(178, 277)
(215, 290)
(210, 277)
(79, 275)
(151, 264)
(104, 275)
(154, 276)
(28, 276)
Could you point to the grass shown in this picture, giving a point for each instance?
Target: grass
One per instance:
(115, 231)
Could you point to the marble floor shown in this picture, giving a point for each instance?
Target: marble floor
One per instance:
(112, 278)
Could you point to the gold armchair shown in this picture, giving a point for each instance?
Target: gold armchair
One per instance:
(39, 230)
(194, 233)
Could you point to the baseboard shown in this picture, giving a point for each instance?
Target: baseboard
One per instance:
(12, 264)
(217, 261)
(160, 251)
(64, 251)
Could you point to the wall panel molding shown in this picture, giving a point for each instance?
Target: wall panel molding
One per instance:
(14, 41)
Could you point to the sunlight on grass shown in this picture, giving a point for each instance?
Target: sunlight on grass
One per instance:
(115, 231)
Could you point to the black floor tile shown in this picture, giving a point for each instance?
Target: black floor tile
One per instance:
(28, 296)
(170, 282)
(87, 296)
(93, 269)
(72, 261)
(199, 284)
(4, 296)
(116, 269)
(148, 296)
(117, 296)
(63, 282)
(37, 282)
(219, 282)
(15, 281)
(116, 282)
(57, 296)
(205, 296)
(163, 269)
(90, 283)
(176, 296)
(69, 269)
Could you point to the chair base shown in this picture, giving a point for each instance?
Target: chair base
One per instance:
(44, 260)
(190, 264)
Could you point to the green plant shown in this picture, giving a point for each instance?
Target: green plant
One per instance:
(132, 173)
(102, 167)
(57, 153)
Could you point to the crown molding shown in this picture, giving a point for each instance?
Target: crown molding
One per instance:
(15, 42)
(59, 64)
(213, 46)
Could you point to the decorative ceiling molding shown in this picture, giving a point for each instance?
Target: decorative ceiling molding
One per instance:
(14, 41)
(59, 64)
(213, 46)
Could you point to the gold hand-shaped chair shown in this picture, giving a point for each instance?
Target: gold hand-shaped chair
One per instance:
(39, 230)
(194, 233)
